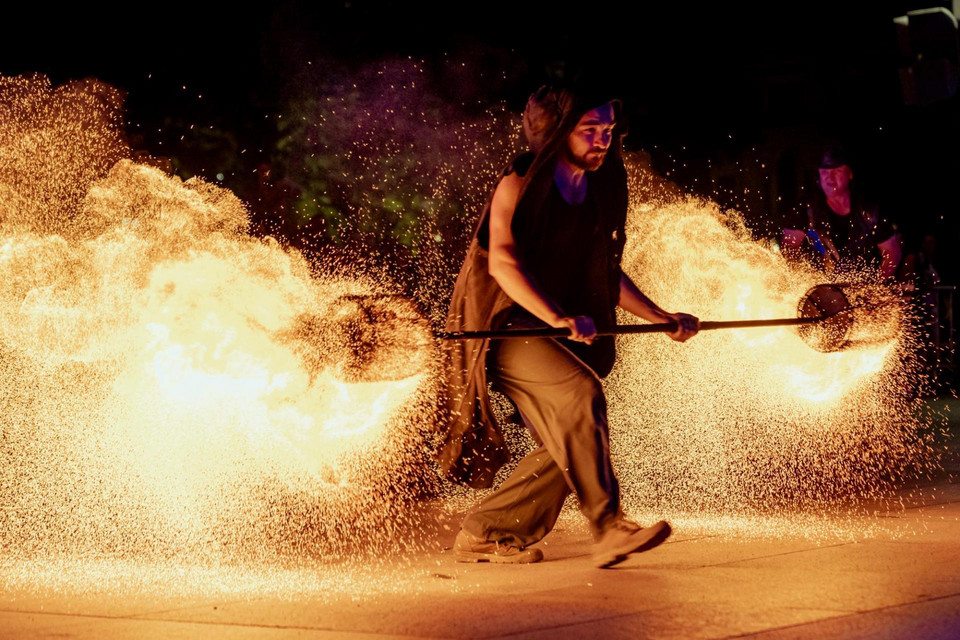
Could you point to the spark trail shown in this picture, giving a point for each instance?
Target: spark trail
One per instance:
(752, 422)
(159, 399)
(165, 399)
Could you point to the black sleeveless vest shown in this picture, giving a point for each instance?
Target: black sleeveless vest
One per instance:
(570, 259)
(473, 447)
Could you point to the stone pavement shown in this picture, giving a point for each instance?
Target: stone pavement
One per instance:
(901, 579)
(889, 586)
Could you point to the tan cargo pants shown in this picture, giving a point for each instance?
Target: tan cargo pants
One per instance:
(561, 400)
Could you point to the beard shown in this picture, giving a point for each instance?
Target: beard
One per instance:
(590, 161)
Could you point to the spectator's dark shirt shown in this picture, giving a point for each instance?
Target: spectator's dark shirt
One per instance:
(855, 235)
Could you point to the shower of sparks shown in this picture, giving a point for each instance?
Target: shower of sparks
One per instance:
(424, 166)
(754, 422)
(159, 400)
(179, 414)
(751, 432)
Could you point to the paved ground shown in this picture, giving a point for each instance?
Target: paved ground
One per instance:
(892, 586)
(902, 582)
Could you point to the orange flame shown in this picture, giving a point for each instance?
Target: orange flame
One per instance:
(171, 328)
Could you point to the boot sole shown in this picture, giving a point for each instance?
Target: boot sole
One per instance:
(658, 534)
(526, 557)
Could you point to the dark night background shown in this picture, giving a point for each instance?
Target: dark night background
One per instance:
(703, 84)
(732, 102)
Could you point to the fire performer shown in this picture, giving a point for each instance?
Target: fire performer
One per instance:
(547, 251)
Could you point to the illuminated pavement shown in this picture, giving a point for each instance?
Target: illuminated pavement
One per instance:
(908, 587)
(904, 583)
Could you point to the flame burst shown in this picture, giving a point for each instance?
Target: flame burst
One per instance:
(750, 421)
(167, 392)
(751, 432)
(158, 395)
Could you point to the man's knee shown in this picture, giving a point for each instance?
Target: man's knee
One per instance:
(588, 385)
(588, 400)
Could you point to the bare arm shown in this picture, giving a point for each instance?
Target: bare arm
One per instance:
(791, 240)
(891, 252)
(507, 269)
(634, 301)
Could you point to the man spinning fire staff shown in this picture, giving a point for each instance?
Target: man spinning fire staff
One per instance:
(547, 251)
